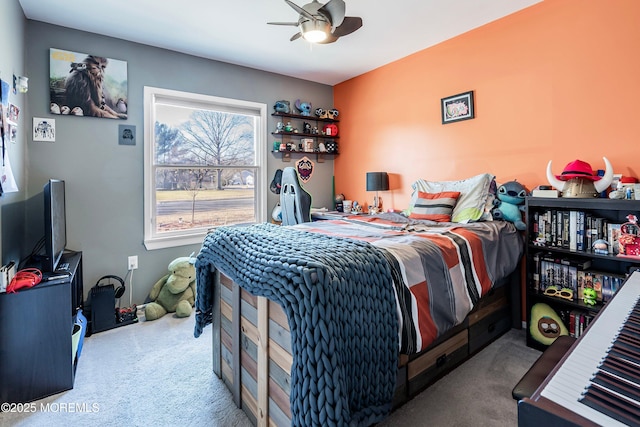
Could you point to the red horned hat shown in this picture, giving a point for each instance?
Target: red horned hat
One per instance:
(577, 169)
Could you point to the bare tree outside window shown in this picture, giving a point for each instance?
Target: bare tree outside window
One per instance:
(205, 161)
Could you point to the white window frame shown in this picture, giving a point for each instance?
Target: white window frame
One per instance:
(154, 240)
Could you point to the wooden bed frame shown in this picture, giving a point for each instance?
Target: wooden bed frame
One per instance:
(252, 347)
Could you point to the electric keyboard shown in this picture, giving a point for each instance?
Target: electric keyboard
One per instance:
(599, 379)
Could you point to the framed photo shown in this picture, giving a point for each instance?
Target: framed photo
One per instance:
(88, 85)
(126, 135)
(44, 129)
(457, 107)
(307, 144)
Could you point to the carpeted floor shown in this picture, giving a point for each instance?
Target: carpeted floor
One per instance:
(477, 393)
(157, 374)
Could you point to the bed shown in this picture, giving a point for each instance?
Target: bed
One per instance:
(337, 322)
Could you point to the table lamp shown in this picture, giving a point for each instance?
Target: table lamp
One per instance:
(377, 181)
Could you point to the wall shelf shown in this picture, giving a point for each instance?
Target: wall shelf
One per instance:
(320, 156)
(290, 137)
(301, 117)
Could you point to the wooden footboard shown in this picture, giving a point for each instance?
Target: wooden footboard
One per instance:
(252, 349)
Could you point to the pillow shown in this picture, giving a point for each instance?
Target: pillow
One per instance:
(434, 206)
(474, 196)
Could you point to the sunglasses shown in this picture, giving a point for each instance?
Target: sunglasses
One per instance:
(565, 293)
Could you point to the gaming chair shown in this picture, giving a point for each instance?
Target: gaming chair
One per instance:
(294, 200)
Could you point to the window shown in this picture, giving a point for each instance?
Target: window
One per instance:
(205, 165)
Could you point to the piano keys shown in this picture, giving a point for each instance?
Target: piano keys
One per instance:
(598, 381)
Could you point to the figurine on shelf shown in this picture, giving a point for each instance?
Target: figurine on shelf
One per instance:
(333, 114)
(306, 127)
(330, 130)
(600, 246)
(332, 146)
(321, 113)
(314, 130)
(589, 296)
(303, 107)
(279, 127)
(282, 107)
(288, 127)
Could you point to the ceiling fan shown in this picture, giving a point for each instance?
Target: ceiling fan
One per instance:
(322, 23)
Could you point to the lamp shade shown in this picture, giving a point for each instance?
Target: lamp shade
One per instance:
(377, 181)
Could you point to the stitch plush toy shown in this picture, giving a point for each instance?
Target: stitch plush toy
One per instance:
(175, 292)
(509, 203)
(303, 107)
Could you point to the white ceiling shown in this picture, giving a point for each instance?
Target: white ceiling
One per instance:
(236, 31)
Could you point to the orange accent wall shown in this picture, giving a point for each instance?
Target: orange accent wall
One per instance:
(557, 81)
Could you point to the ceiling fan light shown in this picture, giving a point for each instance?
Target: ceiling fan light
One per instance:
(315, 31)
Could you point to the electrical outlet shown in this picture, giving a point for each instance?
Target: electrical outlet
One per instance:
(133, 262)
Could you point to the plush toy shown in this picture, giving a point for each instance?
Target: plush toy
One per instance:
(546, 325)
(282, 107)
(303, 107)
(175, 292)
(589, 295)
(509, 203)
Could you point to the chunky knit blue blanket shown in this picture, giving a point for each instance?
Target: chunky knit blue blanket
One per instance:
(339, 298)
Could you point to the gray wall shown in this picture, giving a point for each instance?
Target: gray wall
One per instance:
(12, 61)
(104, 180)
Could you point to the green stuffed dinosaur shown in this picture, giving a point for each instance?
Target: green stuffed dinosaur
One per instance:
(175, 292)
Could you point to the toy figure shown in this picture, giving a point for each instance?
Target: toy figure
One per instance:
(589, 295)
(303, 107)
(509, 204)
(282, 107)
(600, 246)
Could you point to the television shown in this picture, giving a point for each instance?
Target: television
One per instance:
(55, 224)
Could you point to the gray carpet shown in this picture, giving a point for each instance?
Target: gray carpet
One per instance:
(477, 393)
(157, 374)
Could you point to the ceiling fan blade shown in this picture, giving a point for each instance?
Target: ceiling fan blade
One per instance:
(300, 10)
(293, 24)
(349, 25)
(334, 10)
(296, 36)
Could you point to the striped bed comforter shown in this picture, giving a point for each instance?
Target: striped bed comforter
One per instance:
(439, 270)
